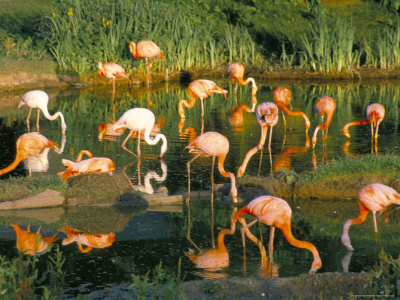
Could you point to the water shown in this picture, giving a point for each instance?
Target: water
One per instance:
(144, 238)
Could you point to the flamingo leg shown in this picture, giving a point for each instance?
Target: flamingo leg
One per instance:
(212, 180)
(188, 170)
(27, 119)
(29, 167)
(376, 130)
(148, 71)
(37, 119)
(389, 212)
(202, 108)
(113, 82)
(260, 163)
(284, 120)
(375, 225)
(123, 144)
(264, 132)
(138, 143)
(270, 137)
(271, 242)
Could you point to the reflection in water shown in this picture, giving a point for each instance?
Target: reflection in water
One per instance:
(32, 243)
(187, 132)
(346, 261)
(29, 144)
(236, 117)
(90, 240)
(325, 106)
(147, 187)
(283, 160)
(267, 116)
(39, 100)
(87, 166)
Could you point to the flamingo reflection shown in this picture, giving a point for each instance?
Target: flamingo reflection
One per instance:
(90, 240)
(185, 133)
(29, 144)
(86, 166)
(201, 88)
(32, 243)
(283, 160)
(236, 117)
(267, 116)
(282, 98)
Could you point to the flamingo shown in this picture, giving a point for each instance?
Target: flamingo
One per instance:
(200, 88)
(325, 106)
(216, 145)
(275, 212)
(32, 243)
(87, 166)
(39, 99)
(374, 197)
(282, 98)
(28, 144)
(148, 50)
(112, 71)
(140, 119)
(267, 116)
(90, 240)
(375, 115)
(236, 71)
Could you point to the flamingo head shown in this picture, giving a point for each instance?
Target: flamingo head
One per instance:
(225, 92)
(346, 132)
(316, 265)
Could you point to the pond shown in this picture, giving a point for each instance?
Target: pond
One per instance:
(143, 238)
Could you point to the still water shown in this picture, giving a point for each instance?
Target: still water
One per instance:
(143, 238)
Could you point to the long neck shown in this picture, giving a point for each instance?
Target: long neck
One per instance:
(156, 139)
(360, 219)
(324, 126)
(13, 165)
(221, 169)
(295, 114)
(345, 128)
(184, 102)
(287, 232)
(221, 235)
(55, 116)
(247, 81)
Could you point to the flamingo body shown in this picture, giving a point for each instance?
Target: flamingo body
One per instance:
(140, 119)
(374, 197)
(325, 106)
(39, 99)
(32, 243)
(201, 88)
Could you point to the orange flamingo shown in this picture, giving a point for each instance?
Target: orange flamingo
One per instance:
(201, 88)
(29, 144)
(325, 106)
(216, 145)
(90, 240)
(140, 119)
(236, 71)
(275, 212)
(148, 50)
(32, 243)
(374, 197)
(375, 115)
(86, 166)
(112, 71)
(267, 116)
(282, 98)
(39, 100)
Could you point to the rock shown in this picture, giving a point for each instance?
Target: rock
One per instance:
(43, 199)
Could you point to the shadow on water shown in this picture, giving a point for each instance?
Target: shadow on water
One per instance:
(145, 237)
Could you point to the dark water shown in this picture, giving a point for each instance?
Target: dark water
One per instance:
(144, 238)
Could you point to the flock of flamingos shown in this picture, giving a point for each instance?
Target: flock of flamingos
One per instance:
(270, 210)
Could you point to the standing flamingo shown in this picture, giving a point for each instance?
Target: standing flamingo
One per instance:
(32, 243)
(216, 145)
(29, 144)
(236, 71)
(201, 88)
(140, 119)
(325, 106)
(276, 212)
(148, 50)
(282, 98)
(375, 115)
(267, 116)
(112, 71)
(374, 197)
(39, 100)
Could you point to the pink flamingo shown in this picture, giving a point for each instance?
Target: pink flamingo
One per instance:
(112, 71)
(325, 106)
(374, 197)
(236, 71)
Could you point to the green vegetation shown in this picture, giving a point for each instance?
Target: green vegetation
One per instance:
(322, 36)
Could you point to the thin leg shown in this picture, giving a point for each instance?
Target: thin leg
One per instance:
(123, 144)
(138, 171)
(37, 119)
(375, 226)
(29, 167)
(264, 132)
(202, 108)
(376, 130)
(138, 143)
(188, 170)
(212, 180)
(148, 71)
(284, 120)
(271, 242)
(260, 163)
(270, 137)
(27, 119)
(113, 82)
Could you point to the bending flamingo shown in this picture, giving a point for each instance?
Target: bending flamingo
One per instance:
(236, 71)
(216, 145)
(267, 116)
(87, 166)
(148, 50)
(29, 144)
(276, 212)
(374, 197)
(39, 99)
(201, 88)
(325, 106)
(140, 119)
(32, 243)
(375, 115)
(282, 98)
(112, 71)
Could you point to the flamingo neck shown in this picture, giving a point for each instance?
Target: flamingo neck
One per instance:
(156, 139)
(294, 113)
(345, 128)
(55, 116)
(221, 169)
(360, 219)
(13, 165)
(184, 102)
